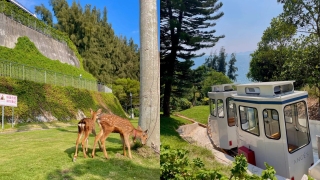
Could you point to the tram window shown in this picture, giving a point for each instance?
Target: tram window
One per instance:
(230, 112)
(235, 113)
(275, 115)
(213, 107)
(298, 133)
(271, 123)
(288, 114)
(220, 108)
(249, 120)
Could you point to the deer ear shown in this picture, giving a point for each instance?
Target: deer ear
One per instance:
(139, 128)
(91, 111)
(99, 111)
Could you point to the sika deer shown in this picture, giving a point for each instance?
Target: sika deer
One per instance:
(111, 123)
(86, 126)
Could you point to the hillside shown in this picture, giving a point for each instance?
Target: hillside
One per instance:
(45, 102)
(26, 53)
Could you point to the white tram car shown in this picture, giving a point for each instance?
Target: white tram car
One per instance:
(272, 126)
(221, 118)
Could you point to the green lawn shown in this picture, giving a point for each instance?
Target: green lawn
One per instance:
(198, 113)
(169, 136)
(48, 154)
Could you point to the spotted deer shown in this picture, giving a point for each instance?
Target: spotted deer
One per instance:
(111, 123)
(86, 126)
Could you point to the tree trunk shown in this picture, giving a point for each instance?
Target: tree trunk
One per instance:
(149, 73)
(166, 98)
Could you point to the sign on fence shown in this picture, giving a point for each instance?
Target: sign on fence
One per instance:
(8, 100)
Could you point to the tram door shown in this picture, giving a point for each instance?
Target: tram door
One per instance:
(299, 148)
(274, 138)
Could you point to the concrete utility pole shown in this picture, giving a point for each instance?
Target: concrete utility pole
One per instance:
(149, 73)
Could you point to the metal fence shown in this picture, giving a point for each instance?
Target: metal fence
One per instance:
(25, 72)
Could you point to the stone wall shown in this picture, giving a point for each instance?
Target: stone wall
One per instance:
(11, 30)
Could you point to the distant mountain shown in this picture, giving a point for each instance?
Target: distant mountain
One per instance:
(243, 63)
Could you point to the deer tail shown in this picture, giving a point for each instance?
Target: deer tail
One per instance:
(81, 127)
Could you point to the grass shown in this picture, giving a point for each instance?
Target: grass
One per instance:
(198, 113)
(47, 154)
(169, 136)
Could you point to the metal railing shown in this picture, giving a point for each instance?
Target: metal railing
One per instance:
(25, 72)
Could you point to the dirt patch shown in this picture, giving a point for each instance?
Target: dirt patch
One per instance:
(313, 108)
(147, 152)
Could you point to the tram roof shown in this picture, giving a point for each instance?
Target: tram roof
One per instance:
(266, 89)
(278, 92)
(222, 87)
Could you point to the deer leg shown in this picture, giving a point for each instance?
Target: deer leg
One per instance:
(77, 144)
(99, 143)
(126, 140)
(123, 144)
(103, 140)
(84, 148)
(96, 139)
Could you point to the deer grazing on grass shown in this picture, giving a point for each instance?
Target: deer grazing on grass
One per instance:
(86, 126)
(111, 123)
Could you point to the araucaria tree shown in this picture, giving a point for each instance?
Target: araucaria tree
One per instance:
(186, 26)
(232, 69)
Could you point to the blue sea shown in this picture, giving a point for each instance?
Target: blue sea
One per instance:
(242, 63)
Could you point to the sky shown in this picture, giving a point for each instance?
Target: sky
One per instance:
(123, 15)
(243, 22)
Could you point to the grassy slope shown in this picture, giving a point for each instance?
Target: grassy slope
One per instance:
(62, 102)
(47, 154)
(198, 113)
(26, 53)
(169, 136)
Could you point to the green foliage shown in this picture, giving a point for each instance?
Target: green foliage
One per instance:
(175, 164)
(221, 62)
(272, 53)
(27, 54)
(214, 78)
(13, 11)
(240, 166)
(178, 104)
(232, 69)
(212, 61)
(205, 101)
(45, 14)
(105, 55)
(122, 89)
(269, 172)
(63, 103)
(184, 30)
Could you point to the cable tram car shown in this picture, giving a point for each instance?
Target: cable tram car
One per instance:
(273, 127)
(221, 118)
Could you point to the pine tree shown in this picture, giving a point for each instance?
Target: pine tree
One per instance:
(232, 69)
(221, 61)
(185, 27)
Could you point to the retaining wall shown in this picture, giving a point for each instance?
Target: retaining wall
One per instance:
(11, 30)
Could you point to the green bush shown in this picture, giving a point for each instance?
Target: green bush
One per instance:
(179, 104)
(175, 164)
(63, 103)
(205, 101)
(136, 112)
